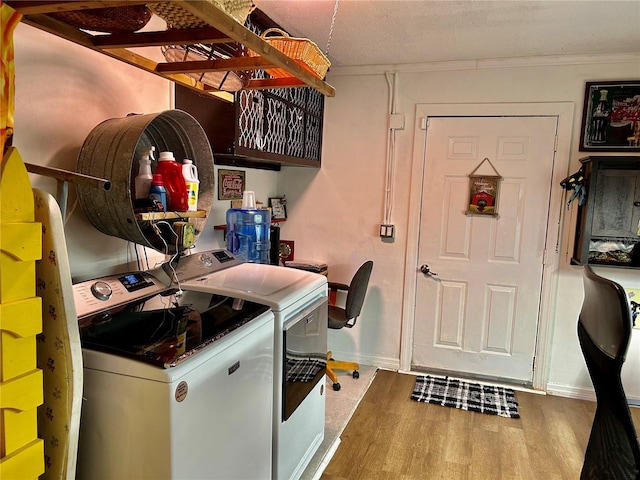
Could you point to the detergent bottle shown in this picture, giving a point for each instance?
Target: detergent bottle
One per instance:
(248, 231)
(171, 172)
(142, 181)
(158, 193)
(190, 174)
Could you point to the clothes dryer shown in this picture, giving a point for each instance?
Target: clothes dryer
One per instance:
(298, 300)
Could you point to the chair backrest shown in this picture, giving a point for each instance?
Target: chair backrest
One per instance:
(606, 314)
(604, 332)
(358, 290)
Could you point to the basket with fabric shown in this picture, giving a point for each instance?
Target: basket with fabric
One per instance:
(178, 17)
(303, 51)
(124, 19)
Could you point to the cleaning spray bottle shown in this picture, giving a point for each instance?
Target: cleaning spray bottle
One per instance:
(248, 231)
(171, 172)
(143, 179)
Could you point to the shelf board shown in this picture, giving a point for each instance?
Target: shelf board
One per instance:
(170, 215)
(223, 28)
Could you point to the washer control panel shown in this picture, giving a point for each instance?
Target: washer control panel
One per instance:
(200, 264)
(93, 296)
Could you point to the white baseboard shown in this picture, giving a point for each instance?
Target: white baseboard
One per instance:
(581, 393)
(386, 363)
(326, 459)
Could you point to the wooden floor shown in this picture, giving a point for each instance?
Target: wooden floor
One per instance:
(393, 437)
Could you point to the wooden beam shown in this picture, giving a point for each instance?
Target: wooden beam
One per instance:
(170, 37)
(219, 65)
(28, 7)
(266, 83)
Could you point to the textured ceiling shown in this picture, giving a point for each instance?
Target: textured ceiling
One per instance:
(376, 32)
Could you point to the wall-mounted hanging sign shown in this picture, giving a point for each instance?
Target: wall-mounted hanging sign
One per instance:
(611, 117)
(230, 184)
(483, 192)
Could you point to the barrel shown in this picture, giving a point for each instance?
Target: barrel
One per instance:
(109, 152)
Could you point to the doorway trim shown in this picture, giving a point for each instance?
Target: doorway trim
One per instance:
(564, 112)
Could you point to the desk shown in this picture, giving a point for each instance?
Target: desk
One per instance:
(308, 265)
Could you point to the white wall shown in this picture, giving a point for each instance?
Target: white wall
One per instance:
(62, 92)
(335, 213)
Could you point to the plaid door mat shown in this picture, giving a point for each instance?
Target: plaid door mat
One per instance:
(476, 397)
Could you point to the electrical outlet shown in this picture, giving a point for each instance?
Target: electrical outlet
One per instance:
(396, 121)
(386, 231)
(186, 233)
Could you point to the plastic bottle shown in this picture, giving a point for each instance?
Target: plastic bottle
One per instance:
(248, 231)
(190, 174)
(171, 172)
(157, 192)
(144, 177)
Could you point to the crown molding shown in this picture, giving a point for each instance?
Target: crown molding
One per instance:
(541, 61)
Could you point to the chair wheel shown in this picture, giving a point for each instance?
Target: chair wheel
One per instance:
(336, 386)
(356, 374)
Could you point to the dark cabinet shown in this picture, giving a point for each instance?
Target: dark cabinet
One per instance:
(608, 224)
(262, 128)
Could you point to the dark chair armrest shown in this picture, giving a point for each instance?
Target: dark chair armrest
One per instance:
(333, 291)
(337, 286)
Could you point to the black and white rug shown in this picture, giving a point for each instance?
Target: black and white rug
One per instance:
(476, 397)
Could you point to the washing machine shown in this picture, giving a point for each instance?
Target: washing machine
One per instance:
(298, 300)
(173, 390)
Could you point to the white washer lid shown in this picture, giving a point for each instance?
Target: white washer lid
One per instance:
(270, 285)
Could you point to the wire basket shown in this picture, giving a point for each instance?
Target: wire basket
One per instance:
(301, 50)
(227, 81)
(124, 19)
(178, 17)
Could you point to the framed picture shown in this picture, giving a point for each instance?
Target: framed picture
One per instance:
(634, 301)
(230, 184)
(278, 209)
(611, 117)
(483, 194)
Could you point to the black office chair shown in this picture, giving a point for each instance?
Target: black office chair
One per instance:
(604, 332)
(347, 316)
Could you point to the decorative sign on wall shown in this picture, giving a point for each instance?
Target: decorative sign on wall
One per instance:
(611, 117)
(230, 184)
(483, 192)
(634, 301)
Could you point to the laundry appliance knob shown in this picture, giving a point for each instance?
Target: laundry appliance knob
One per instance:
(101, 290)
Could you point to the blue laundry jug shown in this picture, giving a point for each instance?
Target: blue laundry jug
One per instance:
(248, 231)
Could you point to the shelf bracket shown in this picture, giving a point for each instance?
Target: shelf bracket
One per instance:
(65, 176)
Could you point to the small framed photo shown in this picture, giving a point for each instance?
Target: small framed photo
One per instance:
(278, 208)
(611, 117)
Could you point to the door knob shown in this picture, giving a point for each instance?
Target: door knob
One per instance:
(426, 270)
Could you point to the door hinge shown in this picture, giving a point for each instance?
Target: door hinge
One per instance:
(424, 123)
(555, 144)
(544, 257)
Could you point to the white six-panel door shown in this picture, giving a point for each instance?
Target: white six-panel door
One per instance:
(479, 314)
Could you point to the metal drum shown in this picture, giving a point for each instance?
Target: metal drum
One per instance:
(109, 152)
